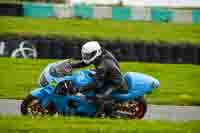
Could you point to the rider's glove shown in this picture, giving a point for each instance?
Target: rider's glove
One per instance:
(82, 96)
(92, 72)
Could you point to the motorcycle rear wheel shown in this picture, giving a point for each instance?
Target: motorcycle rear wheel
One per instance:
(141, 108)
(133, 109)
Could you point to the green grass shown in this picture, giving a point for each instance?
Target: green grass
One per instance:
(179, 83)
(85, 125)
(104, 29)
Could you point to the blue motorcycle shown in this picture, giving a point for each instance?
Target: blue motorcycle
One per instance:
(60, 88)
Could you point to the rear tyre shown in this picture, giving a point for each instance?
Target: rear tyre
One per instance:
(140, 108)
(135, 109)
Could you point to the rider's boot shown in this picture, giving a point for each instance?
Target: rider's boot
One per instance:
(103, 105)
(99, 103)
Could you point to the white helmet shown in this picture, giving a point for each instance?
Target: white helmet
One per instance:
(90, 51)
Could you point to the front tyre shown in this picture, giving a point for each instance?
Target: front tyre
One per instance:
(31, 106)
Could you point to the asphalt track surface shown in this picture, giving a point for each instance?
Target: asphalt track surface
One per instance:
(156, 112)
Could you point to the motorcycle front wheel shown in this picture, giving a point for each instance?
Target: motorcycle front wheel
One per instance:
(31, 106)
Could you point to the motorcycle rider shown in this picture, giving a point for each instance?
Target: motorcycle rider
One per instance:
(107, 73)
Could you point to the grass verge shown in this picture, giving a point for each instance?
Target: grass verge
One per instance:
(179, 83)
(103, 29)
(15, 124)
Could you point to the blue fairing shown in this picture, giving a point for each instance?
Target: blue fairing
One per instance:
(79, 79)
(43, 94)
(83, 106)
(138, 85)
(60, 102)
(82, 78)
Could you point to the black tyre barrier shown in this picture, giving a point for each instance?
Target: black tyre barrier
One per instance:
(152, 53)
(197, 56)
(116, 50)
(18, 49)
(10, 9)
(189, 54)
(164, 53)
(72, 48)
(63, 48)
(57, 49)
(140, 52)
(176, 54)
(43, 48)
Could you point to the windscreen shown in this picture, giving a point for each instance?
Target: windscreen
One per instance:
(61, 69)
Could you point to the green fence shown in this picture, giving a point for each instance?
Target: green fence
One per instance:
(83, 11)
(155, 14)
(161, 15)
(121, 13)
(196, 16)
(38, 10)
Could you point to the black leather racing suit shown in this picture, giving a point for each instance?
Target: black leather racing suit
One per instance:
(108, 76)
